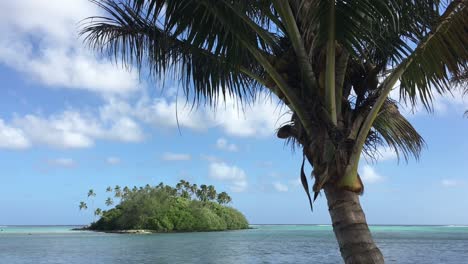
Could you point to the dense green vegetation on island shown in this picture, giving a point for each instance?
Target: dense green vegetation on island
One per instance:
(163, 208)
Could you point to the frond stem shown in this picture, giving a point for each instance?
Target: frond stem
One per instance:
(330, 65)
(287, 16)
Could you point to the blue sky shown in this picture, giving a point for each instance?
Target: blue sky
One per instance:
(70, 121)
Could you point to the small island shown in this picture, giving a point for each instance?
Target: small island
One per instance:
(162, 208)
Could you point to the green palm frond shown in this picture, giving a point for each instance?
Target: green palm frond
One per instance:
(355, 21)
(394, 129)
(199, 43)
(441, 56)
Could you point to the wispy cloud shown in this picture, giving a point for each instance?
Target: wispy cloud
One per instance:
(168, 156)
(113, 160)
(63, 162)
(442, 104)
(12, 138)
(265, 164)
(295, 183)
(452, 183)
(369, 175)
(386, 153)
(223, 144)
(210, 158)
(233, 175)
(280, 187)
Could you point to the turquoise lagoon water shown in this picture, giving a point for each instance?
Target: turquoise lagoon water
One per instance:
(263, 244)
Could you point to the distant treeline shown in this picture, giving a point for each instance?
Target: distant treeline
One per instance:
(162, 208)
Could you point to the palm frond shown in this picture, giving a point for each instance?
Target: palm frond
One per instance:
(355, 21)
(196, 42)
(441, 53)
(393, 129)
(392, 43)
(441, 56)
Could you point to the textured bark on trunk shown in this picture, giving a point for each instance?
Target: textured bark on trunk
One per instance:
(350, 227)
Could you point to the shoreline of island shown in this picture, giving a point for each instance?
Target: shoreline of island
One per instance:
(148, 231)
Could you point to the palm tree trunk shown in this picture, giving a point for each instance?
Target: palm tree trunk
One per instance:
(350, 227)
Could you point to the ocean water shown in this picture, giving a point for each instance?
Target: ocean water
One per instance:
(263, 244)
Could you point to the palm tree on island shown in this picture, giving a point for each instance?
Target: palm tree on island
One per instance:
(223, 198)
(202, 193)
(109, 201)
(83, 206)
(91, 193)
(97, 212)
(117, 191)
(333, 64)
(211, 193)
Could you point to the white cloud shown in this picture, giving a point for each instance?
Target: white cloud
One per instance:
(113, 160)
(259, 120)
(170, 114)
(176, 157)
(369, 175)
(158, 112)
(233, 175)
(442, 104)
(265, 164)
(223, 144)
(295, 183)
(68, 129)
(210, 158)
(40, 39)
(12, 138)
(452, 183)
(280, 187)
(386, 153)
(120, 120)
(63, 162)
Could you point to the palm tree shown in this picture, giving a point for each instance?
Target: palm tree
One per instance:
(109, 189)
(91, 193)
(160, 185)
(202, 193)
(332, 64)
(183, 188)
(193, 189)
(109, 201)
(187, 191)
(118, 191)
(83, 206)
(211, 195)
(180, 185)
(126, 192)
(223, 198)
(97, 212)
